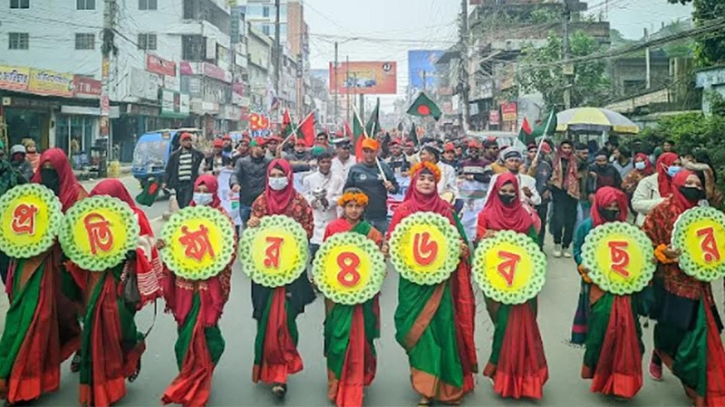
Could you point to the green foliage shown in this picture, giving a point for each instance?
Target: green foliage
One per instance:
(590, 84)
(710, 48)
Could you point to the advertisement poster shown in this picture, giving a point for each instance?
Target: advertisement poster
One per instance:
(51, 83)
(230, 200)
(367, 78)
(421, 64)
(396, 199)
(14, 78)
(509, 111)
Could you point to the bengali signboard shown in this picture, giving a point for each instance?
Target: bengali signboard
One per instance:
(87, 87)
(368, 78)
(509, 111)
(14, 78)
(160, 66)
(51, 83)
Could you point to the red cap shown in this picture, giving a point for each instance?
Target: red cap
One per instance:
(395, 142)
(227, 137)
(474, 144)
(185, 136)
(409, 144)
(218, 143)
(276, 138)
(449, 147)
(299, 141)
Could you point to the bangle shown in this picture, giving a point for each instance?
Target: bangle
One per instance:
(660, 255)
(583, 274)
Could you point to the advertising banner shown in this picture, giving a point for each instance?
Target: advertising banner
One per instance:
(230, 199)
(50, 83)
(14, 78)
(394, 200)
(87, 87)
(494, 117)
(368, 78)
(160, 66)
(509, 111)
(421, 64)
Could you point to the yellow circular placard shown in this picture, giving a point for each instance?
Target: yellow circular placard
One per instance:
(193, 244)
(700, 234)
(423, 248)
(100, 232)
(508, 267)
(29, 223)
(275, 248)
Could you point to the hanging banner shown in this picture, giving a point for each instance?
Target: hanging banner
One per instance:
(14, 78)
(229, 198)
(28, 220)
(509, 111)
(394, 200)
(51, 83)
(700, 234)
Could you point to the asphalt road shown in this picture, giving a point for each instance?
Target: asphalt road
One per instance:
(232, 379)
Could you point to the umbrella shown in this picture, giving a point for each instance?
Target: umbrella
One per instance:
(594, 119)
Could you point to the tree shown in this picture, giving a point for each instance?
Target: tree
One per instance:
(710, 48)
(589, 85)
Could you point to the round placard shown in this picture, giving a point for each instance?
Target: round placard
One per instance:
(275, 253)
(700, 234)
(619, 257)
(509, 267)
(425, 248)
(28, 227)
(98, 231)
(200, 242)
(349, 268)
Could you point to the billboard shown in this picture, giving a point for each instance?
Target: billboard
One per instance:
(421, 64)
(368, 78)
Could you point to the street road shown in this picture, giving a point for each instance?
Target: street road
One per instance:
(232, 378)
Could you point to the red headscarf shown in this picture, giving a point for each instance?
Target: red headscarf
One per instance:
(648, 170)
(115, 189)
(212, 185)
(663, 180)
(603, 198)
(420, 202)
(278, 201)
(69, 188)
(678, 199)
(506, 217)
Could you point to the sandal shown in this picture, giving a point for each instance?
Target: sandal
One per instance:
(134, 376)
(75, 364)
(424, 402)
(279, 390)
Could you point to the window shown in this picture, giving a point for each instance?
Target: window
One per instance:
(147, 5)
(147, 41)
(265, 11)
(85, 41)
(267, 29)
(19, 3)
(85, 4)
(18, 41)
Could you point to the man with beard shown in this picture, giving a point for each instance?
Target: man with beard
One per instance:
(449, 157)
(540, 169)
(19, 163)
(397, 161)
(300, 157)
(476, 168)
(250, 177)
(410, 154)
(182, 170)
(512, 159)
(217, 160)
(227, 148)
(565, 191)
(604, 173)
(242, 149)
(342, 163)
(587, 184)
(322, 189)
(272, 147)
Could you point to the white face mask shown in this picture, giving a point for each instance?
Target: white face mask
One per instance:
(640, 165)
(203, 199)
(278, 184)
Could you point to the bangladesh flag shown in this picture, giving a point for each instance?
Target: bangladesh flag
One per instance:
(423, 106)
(286, 124)
(358, 134)
(373, 125)
(413, 135)
(150, 191)
(547, 127)
(525, 132)
(307, 129)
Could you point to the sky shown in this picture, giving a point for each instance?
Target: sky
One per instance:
(392, 27)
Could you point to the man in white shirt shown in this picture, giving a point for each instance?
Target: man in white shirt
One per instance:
(512, 159)
(344, 161)
(448, 185)
(322, 189)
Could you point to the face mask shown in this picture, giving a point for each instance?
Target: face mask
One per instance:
(203, 199)
(507, 199)
(673, 170)
(609, 215)
(640, 165)
(692, 194)
(278, 184)
(50, 179)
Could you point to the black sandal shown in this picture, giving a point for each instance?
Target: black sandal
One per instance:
(279, 390)
(134, 376)
(426, 403)
(75, 364)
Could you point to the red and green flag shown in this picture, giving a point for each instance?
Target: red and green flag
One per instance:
(372, 127)
(547, 127)
(286, 124)
(423, 106)
(307, 130)
(358, 135)
(525, 132)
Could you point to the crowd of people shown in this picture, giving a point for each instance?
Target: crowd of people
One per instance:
(480, 187)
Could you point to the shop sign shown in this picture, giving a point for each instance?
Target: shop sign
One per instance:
(50, 83)
(87, 87)
(172, 83)
(171, 104)
(215, 72)
(143, 85)
(141, 110)
(160, 66)
(185, 104)
(509, 111)
(14, 78)
(114, 111)
(494, 118)
(40, 104)
(233, 113)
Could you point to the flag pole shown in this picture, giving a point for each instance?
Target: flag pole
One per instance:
(365, 133)
(543, 137)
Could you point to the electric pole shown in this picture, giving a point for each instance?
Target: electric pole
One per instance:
(568, 68)
(108, 48)
(464, 85)
(335, 84)
(277, 49)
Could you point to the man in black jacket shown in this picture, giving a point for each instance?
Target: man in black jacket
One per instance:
(249, 178)
(182, 170)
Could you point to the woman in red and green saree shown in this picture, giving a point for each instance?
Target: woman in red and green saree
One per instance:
(197, 306)
(517, 365)
(687, 333)
(112, 346)
(276, 309)
(613, 336)
(350, 331)
(435, 323)
(41, 325)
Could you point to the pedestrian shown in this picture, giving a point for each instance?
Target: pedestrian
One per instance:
(411, 155)
(41, 324)
(540, 169)
(197, 306)
(242, 149)
(476, 168)
(249, 178)
(273, 143)
(565, 192)
(668, 146)
(449, 157)
(350, 330)
(19, 163)
(9, 178)
(687, 333)
(183, 169)
(654, 189)
(517, 364)
(587, 184)
(111, 344)
(642, 168)
(322, 189)
(605, 174)
(622, 161)
(513, 159)
(343, 161)
(276, 310)
(300, 156)
(435, 323)
(448, 186)
(397, 160)
(491, 154)
(217, 160)
(607, 324)
(227, 148)
(367, 177)
(703, 166)
(32, 155)
(473, 188)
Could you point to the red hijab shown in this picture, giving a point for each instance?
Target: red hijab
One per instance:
(69, 188)
(420, 202)
(603, 198)
(663, 180)
(212, 185)
(678, 199)
(115, 189)
(648, 170)
(279, 201)
(506, 217)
